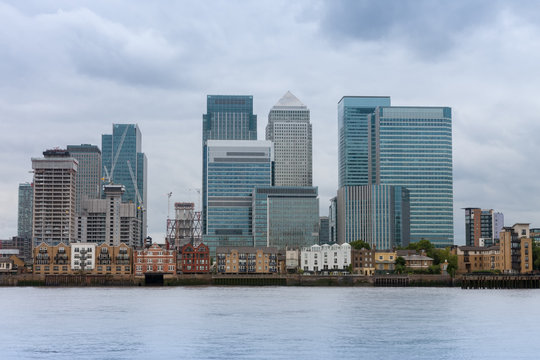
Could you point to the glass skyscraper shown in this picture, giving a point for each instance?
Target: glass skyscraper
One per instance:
(24, 221)
(233, 169)
(409, 147)
(228, 117)
(377, 214)
(124, 163)
(285, 216)
(353, 137)
(414, 150)
(88, 174)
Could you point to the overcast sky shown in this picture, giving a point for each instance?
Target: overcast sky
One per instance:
(70, 69)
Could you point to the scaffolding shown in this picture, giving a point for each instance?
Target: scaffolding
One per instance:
(186, 226)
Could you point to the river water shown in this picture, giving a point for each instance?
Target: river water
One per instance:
(268, 323)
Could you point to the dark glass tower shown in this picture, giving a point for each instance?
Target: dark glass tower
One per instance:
(228, 117)
(124, 163)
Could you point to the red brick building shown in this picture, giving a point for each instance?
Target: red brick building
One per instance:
(194, 259)
(154, 259)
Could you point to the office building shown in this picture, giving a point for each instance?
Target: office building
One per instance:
(228, 117)
(410, 147)
(285, 217)
(54, 218)
(354, 138)
(234, 168)
(109, 220)
(324, 230)
(516, 249)
(290, 131)
(124, 163)
(413, 149)
(89, 172)
(482, 226)
(332, 220)
(24, 219)
(376, 214)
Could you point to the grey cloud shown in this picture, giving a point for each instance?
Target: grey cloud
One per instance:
(430, 28)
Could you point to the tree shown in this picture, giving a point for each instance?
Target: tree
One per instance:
(400, 264)
(536, 256)
(360, 244)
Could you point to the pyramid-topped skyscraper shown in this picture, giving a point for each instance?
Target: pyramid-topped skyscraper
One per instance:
(290, 131)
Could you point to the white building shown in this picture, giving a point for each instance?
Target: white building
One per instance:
(326, 257)
(83, 256)
(290, 131)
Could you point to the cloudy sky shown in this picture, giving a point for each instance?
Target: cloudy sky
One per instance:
(70, 69)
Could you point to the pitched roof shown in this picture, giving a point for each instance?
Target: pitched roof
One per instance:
(289, 100)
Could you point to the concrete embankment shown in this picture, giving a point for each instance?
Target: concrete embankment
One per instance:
(225, 280)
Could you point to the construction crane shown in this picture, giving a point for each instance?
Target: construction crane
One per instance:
(141, 205)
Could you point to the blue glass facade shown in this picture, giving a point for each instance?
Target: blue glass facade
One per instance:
(414, 150)
(121, 151)
(285, 216)
(377, 214)
(354, 146)
(228, 117)
(24, 220)
(234, 169)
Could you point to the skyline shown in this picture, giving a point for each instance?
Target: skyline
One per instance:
(69, 75)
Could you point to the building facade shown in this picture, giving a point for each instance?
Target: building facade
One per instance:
(478, 259)
(354, 138)
(413, 149)
(332, 220)
(290, 131)
(88, 180)
(247, 260)
(385, 261)
(54, 215)
(324, 230)
(52, 259)
(24, 219)
(124, 163)
(322, 258)
(109, 220)
(22, 244)
(285, 216)
(482, 226)
(228, 117)
(516, 250)
(154, 259)
(376, 214)
(233, 170)
(363, 261)
(194, 259)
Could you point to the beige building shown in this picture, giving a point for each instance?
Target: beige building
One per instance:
(478, 258)
(516, 250)
(246, 260)
(54, 218)
(385, 261)
(52, 259)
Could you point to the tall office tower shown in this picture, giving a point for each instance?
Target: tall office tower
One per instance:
(353, 137)
(228, 117)
(124, 163)
(413, 148)
(290, 131)
(109, 220)
(332, 220)
(89, 173)
(54, 218)
(24, 220)
(482, 226)
(234, 169)
(324, 230)
(377, 214)
(401, 146)
(285, 217)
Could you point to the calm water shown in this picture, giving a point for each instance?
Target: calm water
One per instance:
(268, 322)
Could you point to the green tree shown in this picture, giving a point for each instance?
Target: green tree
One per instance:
(360, 244)
(536, 256)
(400, 264)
